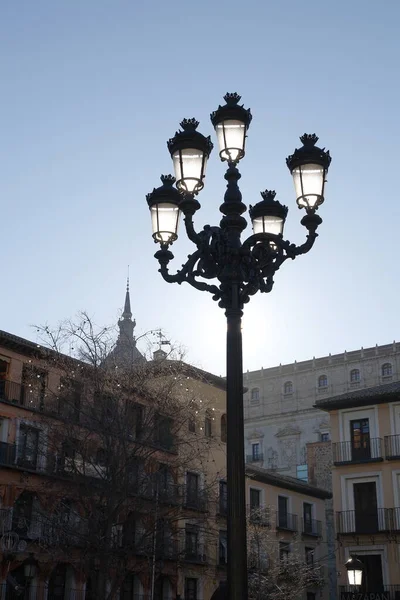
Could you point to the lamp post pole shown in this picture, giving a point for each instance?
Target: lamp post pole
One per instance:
(232, 270)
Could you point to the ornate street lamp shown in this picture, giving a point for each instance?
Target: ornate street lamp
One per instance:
(230, 269)
(354, 571)
(30, 568)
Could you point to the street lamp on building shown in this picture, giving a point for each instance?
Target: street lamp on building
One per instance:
(30, 568)
(354, 568)
(230, 269)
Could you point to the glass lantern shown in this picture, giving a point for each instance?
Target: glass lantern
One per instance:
(354, 571)
(231, 123)
(164, 208)
(309, 167)
(189, 150)
(269, 215)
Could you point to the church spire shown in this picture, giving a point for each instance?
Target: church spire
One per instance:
(127, 314)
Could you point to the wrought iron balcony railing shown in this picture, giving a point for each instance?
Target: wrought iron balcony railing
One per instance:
(195, 554)
(368, 450)
(286, 521)
(195, 500)
(311, 527)
(384, 592)
(253, 458)
(375, 521)
(392, 447)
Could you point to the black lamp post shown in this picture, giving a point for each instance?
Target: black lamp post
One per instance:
(232, 270)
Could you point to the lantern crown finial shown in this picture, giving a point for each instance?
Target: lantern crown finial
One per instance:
(309, 139)
(232, 98)
(189, 124)
(167, 180)
(268, 195)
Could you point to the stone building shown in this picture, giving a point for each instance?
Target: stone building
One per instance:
(280, 418)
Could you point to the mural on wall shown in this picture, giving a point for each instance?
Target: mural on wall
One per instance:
(289, 447)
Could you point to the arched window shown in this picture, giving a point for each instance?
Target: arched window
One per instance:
(387, 370)
(354, 375)
(223, 428)
(288, 387)
(322, 381)
(255, 395)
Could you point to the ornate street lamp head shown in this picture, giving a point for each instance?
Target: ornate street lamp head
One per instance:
(231, 123)
(164, 207)
(309, 167)
(189, 150)
(354, 570)
(269, 215)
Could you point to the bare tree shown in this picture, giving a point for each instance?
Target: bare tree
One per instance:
(116, 447)
(278, 569)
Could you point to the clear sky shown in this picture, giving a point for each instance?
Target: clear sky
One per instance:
(90, 92)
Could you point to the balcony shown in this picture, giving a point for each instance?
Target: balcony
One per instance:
(255, 458)
(392, 447)
(311, 527)
(353, 453)
(259, 515)
(286, 521)
(194, 555)
(7, 454)
(23, 395)
(195, 501)
(353, 522)
(385, 592)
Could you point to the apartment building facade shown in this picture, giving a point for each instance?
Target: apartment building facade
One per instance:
(179, 558)
(365, 429)
(280, 411)
(294, 513)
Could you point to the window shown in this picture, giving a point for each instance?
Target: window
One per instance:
(302, 472)
(192, 488)
(101, 457)
(162, 432)
(283, 515)
(255, 395)
(324, 436)
(34, 386)
(288, 388)
(223, 498)
(255, 451)
(190, 588)
(223, 428)
(354, 376)
(69, 399)
(192, 424)
(307, 517)
(255, 498)
(207, 426)
(284, 550)
(191, 541)
(309, 555)
(387, 370)
(28, 442)
(223, 548)
(360, 439)
(322, 381)
(134, 415)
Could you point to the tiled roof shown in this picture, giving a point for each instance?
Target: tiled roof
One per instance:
(387, 392)
(286, 482)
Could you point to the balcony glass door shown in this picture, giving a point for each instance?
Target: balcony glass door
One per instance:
(283, 518)
(365, 507)
(372, 581)
(360, 439)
